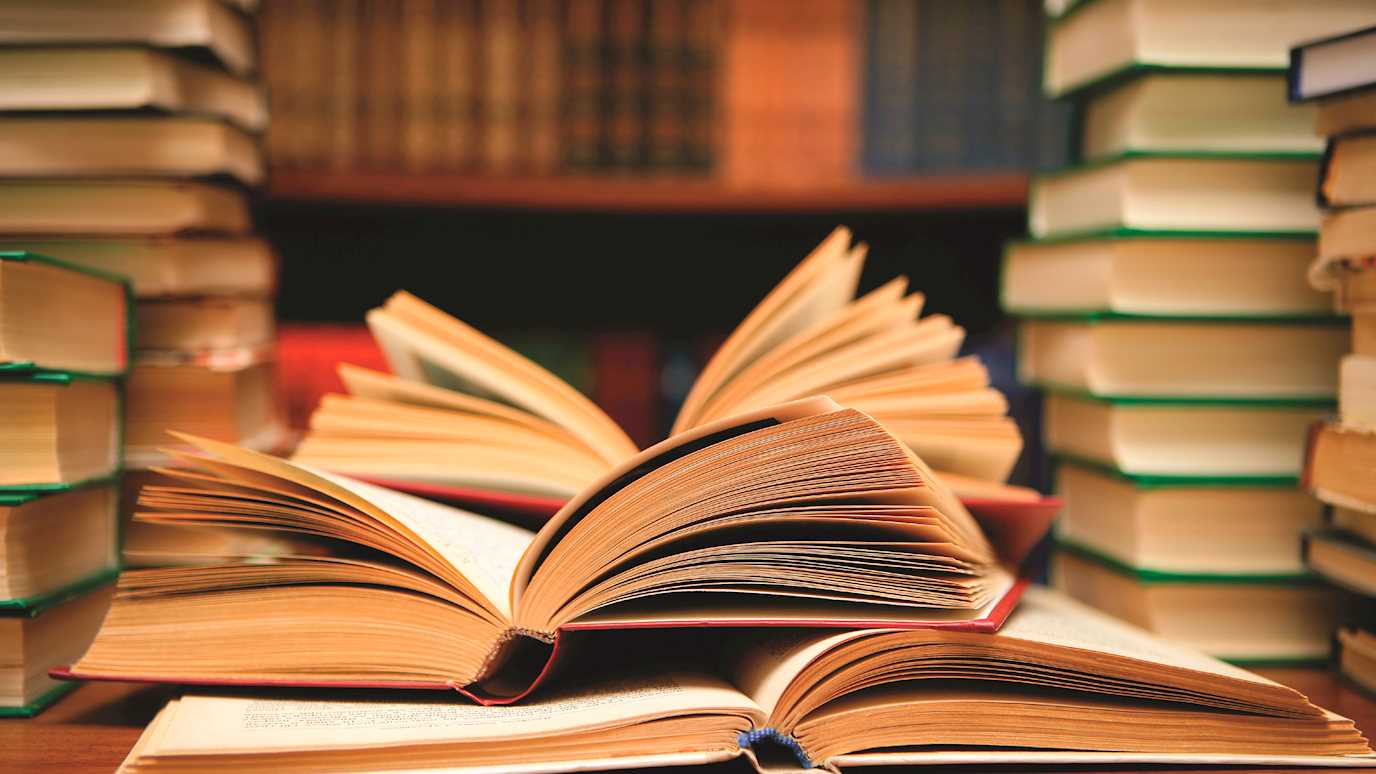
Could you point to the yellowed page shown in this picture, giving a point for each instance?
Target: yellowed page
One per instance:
(244, 724)
(483, 550)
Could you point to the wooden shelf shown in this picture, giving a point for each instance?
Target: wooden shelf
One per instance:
(663, 195)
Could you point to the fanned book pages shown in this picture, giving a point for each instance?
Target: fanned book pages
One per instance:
(465, 413)
(803, 514)
(1059, 684)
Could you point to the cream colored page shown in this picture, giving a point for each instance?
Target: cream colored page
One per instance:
(485, 550)
(1049, 617)
(258, 724)
(763, 667)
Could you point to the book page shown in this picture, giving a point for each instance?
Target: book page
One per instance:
(1048, 617)
(484, 549)
(262, 724)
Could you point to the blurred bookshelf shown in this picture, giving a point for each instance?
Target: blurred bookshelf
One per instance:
(670, 106)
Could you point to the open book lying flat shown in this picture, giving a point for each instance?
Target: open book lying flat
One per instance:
(466, 415)
(804, 514)
(1059, 684)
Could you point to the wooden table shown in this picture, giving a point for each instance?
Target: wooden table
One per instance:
(92, 729)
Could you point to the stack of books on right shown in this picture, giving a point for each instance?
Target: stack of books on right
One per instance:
(1337, 77)
(1166, 311)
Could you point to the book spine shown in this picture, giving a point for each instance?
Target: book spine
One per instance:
(418, 98)
(500, 29)
(664, 114)
(343, 34)
(704, 30)
(458, 68)
(275, 27)
(942, 43)
(624, 126)
(889, 114)
(546, 69)
(379, 106)
(582, 83)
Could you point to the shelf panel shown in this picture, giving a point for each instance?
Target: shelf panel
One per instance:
(664, 195)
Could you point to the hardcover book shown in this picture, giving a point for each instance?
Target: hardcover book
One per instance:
(803, 514)
(796, 700)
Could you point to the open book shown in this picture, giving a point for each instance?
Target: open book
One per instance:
(804, 514)
(466, 417)
(1059, 684)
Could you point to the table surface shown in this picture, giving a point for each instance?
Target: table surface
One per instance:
(92, 729)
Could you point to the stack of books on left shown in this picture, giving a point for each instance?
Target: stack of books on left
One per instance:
(1337, 76)
(130, 143)
(1166, 312)
(64, 349)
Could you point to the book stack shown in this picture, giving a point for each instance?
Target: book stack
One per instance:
(1335, 77)
(129, 144)
(1165, 311)
(493, 86)
(64, 347)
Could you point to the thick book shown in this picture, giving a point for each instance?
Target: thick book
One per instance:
(203, 330)
(1342, 559)
(62, 317)
(1252, 619)
(465, 411)
(1344, 175)
(1338, 464)
(62, 430)
(128, 146)
(1198, 527)
(803, 514)
(223, 394)
(1187, 111)
(207, 27)
(1217, 358)
(121, 208)
(1097, 41)
(1162, 274)
(61, 79)
(799, 700)
(1346, 113)
(167, 266)
(42, 632)
(1333, 66)
(1248, 441)
(55, 540)
(1247, 193)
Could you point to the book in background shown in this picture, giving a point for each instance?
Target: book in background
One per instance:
(1164, 308)
(64, 352)
(1334, 79)
(138, 160)
(953, 88)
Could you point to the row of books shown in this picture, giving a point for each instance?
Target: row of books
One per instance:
(1341, 452)
(859, 612)
(756, 91)
(493, 86)
(1166, 312)
(142, 301)
(954, 87)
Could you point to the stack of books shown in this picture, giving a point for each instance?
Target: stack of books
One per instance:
(1166, 312)
(130, 144)
(64, 348)
(1336, 77)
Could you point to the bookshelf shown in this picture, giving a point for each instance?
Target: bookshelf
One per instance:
(651, 195)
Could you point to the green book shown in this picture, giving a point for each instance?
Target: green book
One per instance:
(1205, 37)
(1248, 619)
(54, 630)
(76, 319)
(1190, 359)
(1253, 193)
(81, 526)
(1176, 441)
(66, 430)
(1128, 274)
